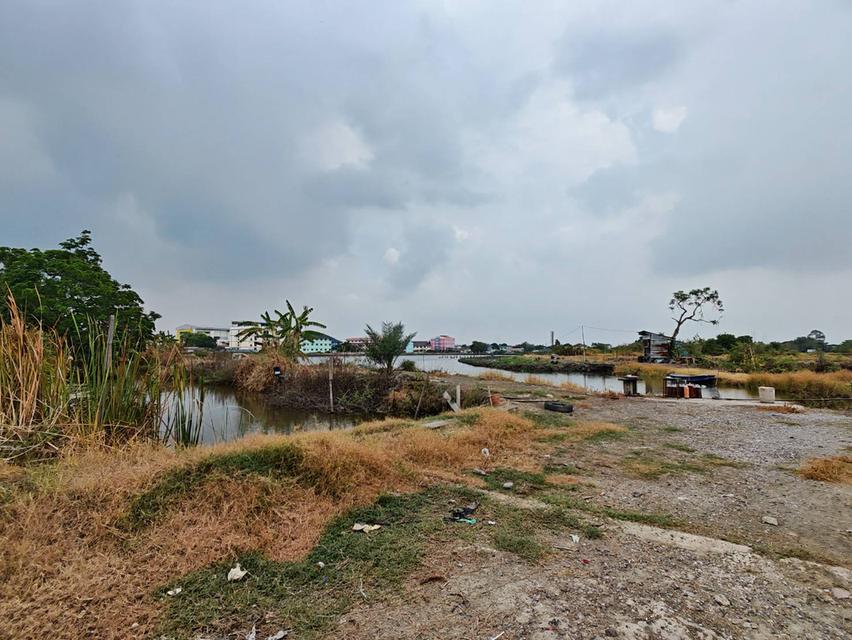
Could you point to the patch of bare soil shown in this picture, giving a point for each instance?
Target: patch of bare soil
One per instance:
(725, 471)
(628, 585)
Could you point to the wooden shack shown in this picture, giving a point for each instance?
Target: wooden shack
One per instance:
(656, 347)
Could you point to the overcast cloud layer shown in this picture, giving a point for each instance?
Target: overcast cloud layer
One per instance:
(491, 171)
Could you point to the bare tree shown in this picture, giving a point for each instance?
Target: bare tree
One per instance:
(691, 306)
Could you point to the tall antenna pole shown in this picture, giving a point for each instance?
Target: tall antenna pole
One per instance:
(583, 336)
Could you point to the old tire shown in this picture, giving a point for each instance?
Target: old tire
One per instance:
(561, 407)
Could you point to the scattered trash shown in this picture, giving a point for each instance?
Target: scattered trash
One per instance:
(508, 485)
(584, 561)
(237, 573)
(174, 592)
(840, 594)
(491, 522)
(252, 635)
(498, 635)
(722, 600)
(278, 636)
(770, 520)
(366, 528)
(462, 514)
(575, 538)
(321, 564)
(486, 453)
(480, 472)
(361, 588)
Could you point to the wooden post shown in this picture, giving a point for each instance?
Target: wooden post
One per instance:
(330, 382)
(458, 395)
(108, 352)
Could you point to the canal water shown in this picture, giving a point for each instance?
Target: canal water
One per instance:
(451, 364)
(227, 414)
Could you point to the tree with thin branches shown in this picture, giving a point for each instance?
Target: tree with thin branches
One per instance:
(691, 307)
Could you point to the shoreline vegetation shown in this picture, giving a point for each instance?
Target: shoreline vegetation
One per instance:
(522, 364)
(199, 510)
(357, 389)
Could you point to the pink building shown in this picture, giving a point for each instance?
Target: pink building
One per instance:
(443, 343)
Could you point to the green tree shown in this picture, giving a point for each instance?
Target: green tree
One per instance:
(386, 346)
(286, 331)
(478, 347)
(68, 289)
(200, 340)
(691, 307)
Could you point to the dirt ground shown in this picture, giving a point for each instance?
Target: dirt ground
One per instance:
(718, 469)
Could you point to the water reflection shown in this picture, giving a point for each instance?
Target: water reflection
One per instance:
(451, 364)
(228, 414)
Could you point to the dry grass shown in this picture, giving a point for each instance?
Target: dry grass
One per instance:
(781, 408)
(64, 554)
(495, 376)
(571, 387)
(537, 380)
(836, 469)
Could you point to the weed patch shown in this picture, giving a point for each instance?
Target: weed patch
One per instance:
(524, 481)
(281, 460)
(549, 419)
(523, 545)
(836, 469)
(306, 596)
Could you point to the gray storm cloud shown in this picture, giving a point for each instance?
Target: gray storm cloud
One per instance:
(226, 156)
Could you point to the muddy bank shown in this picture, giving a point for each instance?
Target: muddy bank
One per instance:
(522, 365)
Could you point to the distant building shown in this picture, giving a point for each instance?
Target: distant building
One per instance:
(443, 343)
(236, 342)
(359, 343)
(656, 347)
(419, 346)
(220, 335)
(321, 344)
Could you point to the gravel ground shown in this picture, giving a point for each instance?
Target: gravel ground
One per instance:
(644, 583)
(623, 586)
(814, 518)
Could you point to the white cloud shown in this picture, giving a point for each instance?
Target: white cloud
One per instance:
(668, 119)
(335, 145)
(461, 234)
(392, 256)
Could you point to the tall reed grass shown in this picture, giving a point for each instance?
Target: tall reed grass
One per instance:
(52, 391)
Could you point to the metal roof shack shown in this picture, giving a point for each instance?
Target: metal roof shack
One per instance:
(656, 347)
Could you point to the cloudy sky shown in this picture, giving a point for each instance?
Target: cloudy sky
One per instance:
(488, 170)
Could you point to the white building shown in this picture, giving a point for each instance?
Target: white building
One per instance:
(219, 334)
(243, 343)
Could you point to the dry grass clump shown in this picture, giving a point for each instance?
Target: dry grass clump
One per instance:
(781, 408)
(495, 376)
(572, 387)
(67, 554)
(836, 469)
(537, 380)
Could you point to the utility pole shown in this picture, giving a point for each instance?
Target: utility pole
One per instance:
(583, 337)
(551, 339)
